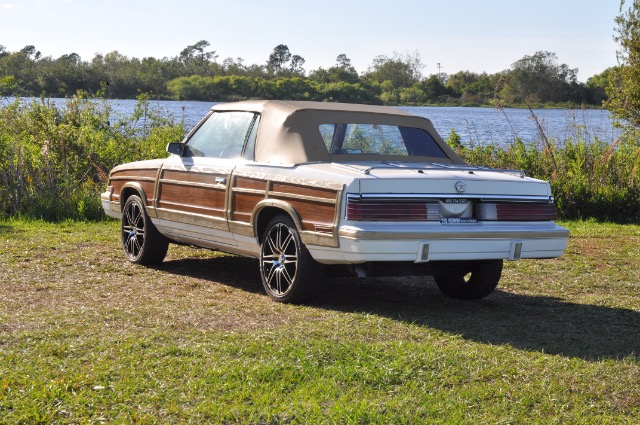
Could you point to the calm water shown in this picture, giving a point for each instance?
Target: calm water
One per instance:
(474, 125)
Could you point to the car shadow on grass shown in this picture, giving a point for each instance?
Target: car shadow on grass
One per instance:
(528, 322)
(238, 272)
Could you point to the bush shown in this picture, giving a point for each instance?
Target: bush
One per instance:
(589, 178)
(55, 158)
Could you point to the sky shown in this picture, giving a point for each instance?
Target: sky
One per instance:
(460, 35)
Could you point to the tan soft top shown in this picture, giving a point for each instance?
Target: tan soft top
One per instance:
(289, 130)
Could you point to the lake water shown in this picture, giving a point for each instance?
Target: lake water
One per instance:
(476, 126)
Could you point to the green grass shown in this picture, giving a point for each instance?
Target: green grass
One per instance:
(86, 337)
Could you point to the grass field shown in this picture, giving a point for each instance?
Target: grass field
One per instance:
(86, 337)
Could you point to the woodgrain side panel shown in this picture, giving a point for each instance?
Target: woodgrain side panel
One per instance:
(300, 190)
(315, 216)
(243, 205)
(315, 206)
(206, 200)
(249, 183)
(143, 177)
(134, 174)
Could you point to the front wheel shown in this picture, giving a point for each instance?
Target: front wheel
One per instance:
(475, 282)
(141, 241)
(288, 272)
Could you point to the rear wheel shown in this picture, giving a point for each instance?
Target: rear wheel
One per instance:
(288, 272)
(476, 281)
(141, 241)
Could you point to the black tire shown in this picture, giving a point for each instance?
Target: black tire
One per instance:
(477, 281)
(289, 273)
(141, 241)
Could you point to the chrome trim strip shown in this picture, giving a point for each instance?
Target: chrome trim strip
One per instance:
(136, 178)
(156, 188)
(193, 184)
(419, 196)
(387, 165)
(355, 233)
(249, 191)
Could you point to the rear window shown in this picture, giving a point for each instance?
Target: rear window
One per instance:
(360, 139)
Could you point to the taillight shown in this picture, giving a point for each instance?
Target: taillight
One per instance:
(524, 211)
(431, 208)
(392, 211)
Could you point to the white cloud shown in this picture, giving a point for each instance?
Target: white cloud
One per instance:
(6, 6)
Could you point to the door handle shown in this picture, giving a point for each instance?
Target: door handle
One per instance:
(221, 180)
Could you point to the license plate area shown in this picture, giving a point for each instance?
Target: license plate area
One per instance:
(456, 211)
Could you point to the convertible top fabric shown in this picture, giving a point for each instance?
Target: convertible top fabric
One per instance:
(289, 130)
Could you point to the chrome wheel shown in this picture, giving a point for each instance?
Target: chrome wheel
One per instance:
(286, 267)
(133, 229)
(279, 259)
(141, 241)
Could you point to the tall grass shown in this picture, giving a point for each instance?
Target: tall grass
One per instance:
(55, 158)
(590, 179)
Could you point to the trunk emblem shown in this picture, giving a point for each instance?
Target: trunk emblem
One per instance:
(461, 187)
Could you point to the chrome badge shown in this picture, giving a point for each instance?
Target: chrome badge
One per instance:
(461, 187)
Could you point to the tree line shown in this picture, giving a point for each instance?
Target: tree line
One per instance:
(197, 74)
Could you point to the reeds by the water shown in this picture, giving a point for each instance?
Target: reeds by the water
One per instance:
(54, 160)
(590, 179)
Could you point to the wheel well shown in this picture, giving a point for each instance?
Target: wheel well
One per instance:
(126, 193)
(264, 217)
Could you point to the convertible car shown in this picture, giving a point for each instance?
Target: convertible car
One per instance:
(312, 188)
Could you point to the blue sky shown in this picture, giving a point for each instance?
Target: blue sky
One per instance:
(480, 36)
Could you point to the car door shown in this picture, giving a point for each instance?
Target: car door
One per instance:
(192, 188)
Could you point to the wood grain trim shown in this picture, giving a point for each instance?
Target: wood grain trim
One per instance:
(283, 195)
(302, 190)
(246, 183)
(135, 173)
(316, 210)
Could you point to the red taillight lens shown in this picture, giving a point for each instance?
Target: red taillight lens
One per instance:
(516, 211)
(392, 211)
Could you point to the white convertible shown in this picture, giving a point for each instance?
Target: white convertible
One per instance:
(313, 187)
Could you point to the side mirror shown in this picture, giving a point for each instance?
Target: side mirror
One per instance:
(176, 148)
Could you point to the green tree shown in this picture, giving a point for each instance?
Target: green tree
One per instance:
(22, 67)
(297, 63)
(400, 70)
(539, 78)
(433, 90)
(196, 60)
(6, 85)
(278, 59)
(624, 83)
(474, 88)
(596, 87)
(342, 71)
